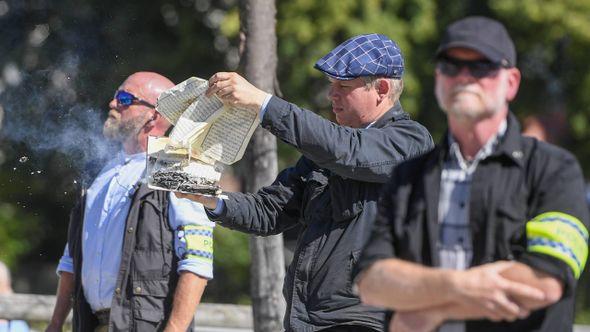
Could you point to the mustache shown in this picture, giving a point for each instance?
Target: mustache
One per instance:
(465, 88)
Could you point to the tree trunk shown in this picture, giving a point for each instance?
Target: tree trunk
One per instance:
(259, 62)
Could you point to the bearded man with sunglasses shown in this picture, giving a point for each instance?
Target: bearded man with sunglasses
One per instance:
(488, 232)
(136, 259)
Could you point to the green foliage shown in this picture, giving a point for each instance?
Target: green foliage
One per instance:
(309, 29)
(583, 317)
(552, 39)
(18, 233)
(231, 268)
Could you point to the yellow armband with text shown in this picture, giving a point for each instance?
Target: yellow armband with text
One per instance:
(198, 242)
(560, 235)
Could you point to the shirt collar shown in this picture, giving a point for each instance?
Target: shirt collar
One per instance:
(509, 146)
(393, 114)
(486, 150)
(125, 158)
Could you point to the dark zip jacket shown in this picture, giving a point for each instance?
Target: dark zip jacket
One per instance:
(332, 192)
(522, 179)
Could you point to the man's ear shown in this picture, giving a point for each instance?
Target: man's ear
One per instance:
(513, 83)
(383, 88)
(155, 117)
(158, 124)
(151, 122)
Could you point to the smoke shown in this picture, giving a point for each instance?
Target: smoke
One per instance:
(51, 76)
(42, 112)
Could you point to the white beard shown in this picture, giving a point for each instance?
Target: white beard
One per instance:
(470, 103)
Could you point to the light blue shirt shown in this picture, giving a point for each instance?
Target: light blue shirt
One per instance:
(108, 201)
(263, 106)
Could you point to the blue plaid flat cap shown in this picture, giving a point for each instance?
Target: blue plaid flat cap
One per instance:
(363, 55)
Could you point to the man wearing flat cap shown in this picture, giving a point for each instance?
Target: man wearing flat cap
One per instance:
(487, 232)
(332, 191)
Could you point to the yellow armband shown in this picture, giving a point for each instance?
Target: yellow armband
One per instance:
(559, 235)
(198, 242)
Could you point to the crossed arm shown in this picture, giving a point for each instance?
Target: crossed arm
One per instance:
(424, 297)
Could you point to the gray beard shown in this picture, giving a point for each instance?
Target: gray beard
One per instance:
(119, 131)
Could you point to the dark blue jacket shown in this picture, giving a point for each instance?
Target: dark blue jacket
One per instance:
(332, 192)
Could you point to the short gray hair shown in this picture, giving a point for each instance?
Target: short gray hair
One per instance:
(397, 85)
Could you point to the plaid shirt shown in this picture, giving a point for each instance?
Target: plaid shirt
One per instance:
(455, 243)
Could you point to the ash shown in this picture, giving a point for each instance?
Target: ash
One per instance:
(178, 180)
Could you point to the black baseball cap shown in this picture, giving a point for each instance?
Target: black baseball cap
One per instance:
(484, 35)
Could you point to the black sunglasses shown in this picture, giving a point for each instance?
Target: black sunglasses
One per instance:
(477, 68)
(125, 98)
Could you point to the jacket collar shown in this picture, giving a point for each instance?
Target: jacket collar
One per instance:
(393, 114)
(510, 145)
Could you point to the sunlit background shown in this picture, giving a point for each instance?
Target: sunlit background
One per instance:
(61, 61)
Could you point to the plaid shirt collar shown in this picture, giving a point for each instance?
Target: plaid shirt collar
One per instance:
(485, 151)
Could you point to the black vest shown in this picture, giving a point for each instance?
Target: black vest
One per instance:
(147, 275)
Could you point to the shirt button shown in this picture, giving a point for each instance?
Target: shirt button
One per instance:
(130, 230)
(138, 289)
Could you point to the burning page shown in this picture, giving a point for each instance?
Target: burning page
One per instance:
(172, 169)
(207, 134)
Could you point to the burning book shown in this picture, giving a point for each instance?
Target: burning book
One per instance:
(207, 135)
(173, 169)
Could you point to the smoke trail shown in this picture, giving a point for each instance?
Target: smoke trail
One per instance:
(39, 113)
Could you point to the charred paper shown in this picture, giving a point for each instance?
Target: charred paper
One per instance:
(173, 170)
(207, 135)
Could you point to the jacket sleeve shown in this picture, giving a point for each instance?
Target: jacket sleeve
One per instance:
(272, 209)
(361, 154)
(557, 236)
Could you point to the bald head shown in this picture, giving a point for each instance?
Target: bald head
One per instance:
(132, 124)
(149, 85)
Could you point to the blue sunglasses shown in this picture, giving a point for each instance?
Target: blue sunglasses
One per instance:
(124, 98)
